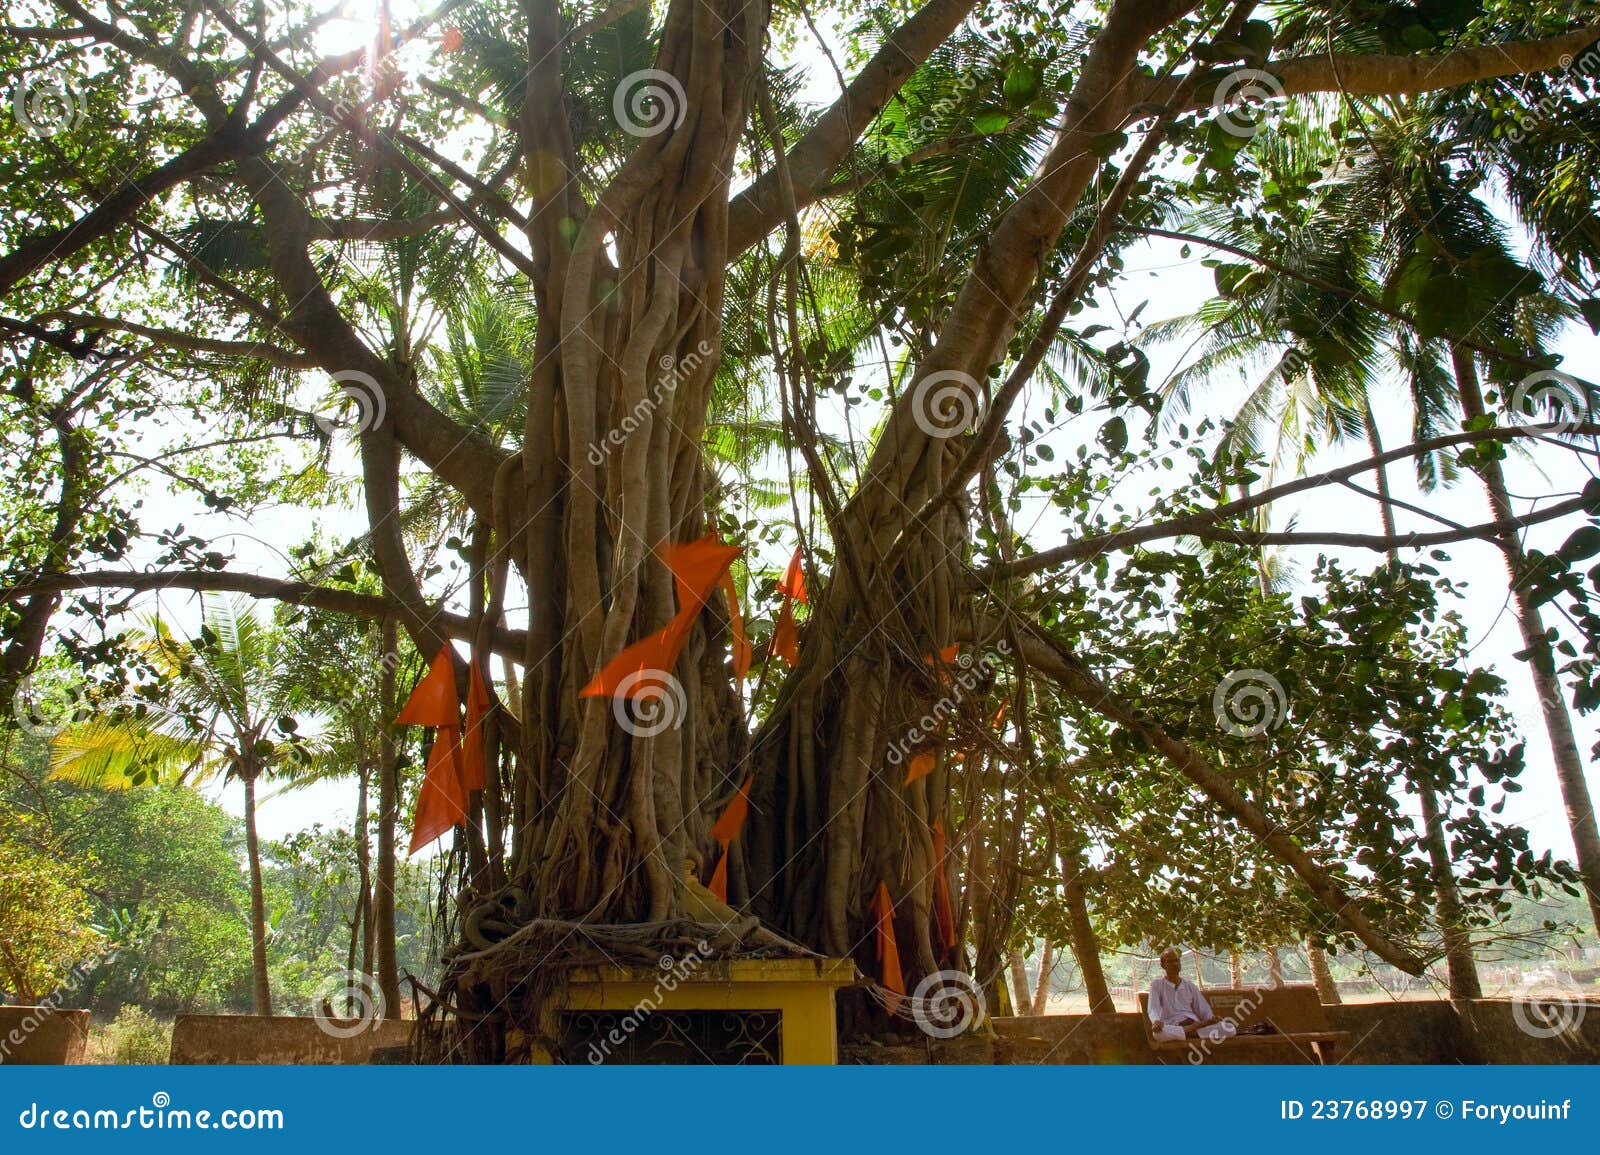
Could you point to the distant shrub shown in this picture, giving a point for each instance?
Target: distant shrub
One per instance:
(138, 1037)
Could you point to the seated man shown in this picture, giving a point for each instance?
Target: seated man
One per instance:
(1177, 1008)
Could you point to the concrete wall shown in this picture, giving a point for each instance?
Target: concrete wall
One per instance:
(279, 1039)
(1421, 1031)
(42, 1035)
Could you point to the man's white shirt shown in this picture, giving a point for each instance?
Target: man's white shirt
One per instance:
(1177, 1004)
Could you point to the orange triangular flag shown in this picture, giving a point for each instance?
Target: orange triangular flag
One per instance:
(473, 765)
(718, 885)
(921, 766)
(724, 831)
(657, 652)
(442, 803)
(434, 701)
(742, 652)
(943, 910)
(888, 950)
(785, 635)
(727, 826)
(696, 568)
(793, 582)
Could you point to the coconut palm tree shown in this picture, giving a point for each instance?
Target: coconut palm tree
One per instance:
(1395, 228)
(216, 705)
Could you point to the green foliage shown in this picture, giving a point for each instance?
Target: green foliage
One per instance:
(138, 1038)
(45, 916)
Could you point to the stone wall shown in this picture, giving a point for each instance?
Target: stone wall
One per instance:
(1420, 1031)
(280, 1039)
(42, 1035)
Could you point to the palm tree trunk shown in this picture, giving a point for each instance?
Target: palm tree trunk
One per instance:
(1462, 967)
(1041, 989)
(1020, 997)
(1557, 722)
(1085, 943)
(383, 930)
(262, 988)
(1327, 989)
(363, 914)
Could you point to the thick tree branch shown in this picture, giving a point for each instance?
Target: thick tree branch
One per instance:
(1379, 74)
(759, 209)
(506, 641)
(1203, 523)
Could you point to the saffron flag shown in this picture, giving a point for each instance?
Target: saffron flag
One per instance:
(724, 831)
(434, 701)
(442, 803)
(785, 633)
(696, 568)
(793, 582)
(921, 766)
(888, 950)
(943, 910)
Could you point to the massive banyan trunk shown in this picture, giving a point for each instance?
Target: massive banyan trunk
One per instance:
(629, 306)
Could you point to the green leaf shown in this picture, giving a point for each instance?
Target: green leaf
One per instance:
(990, 121)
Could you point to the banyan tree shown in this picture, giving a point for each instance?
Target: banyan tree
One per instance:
(860, 294)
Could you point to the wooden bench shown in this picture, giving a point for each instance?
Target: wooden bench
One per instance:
(1295, 1013)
